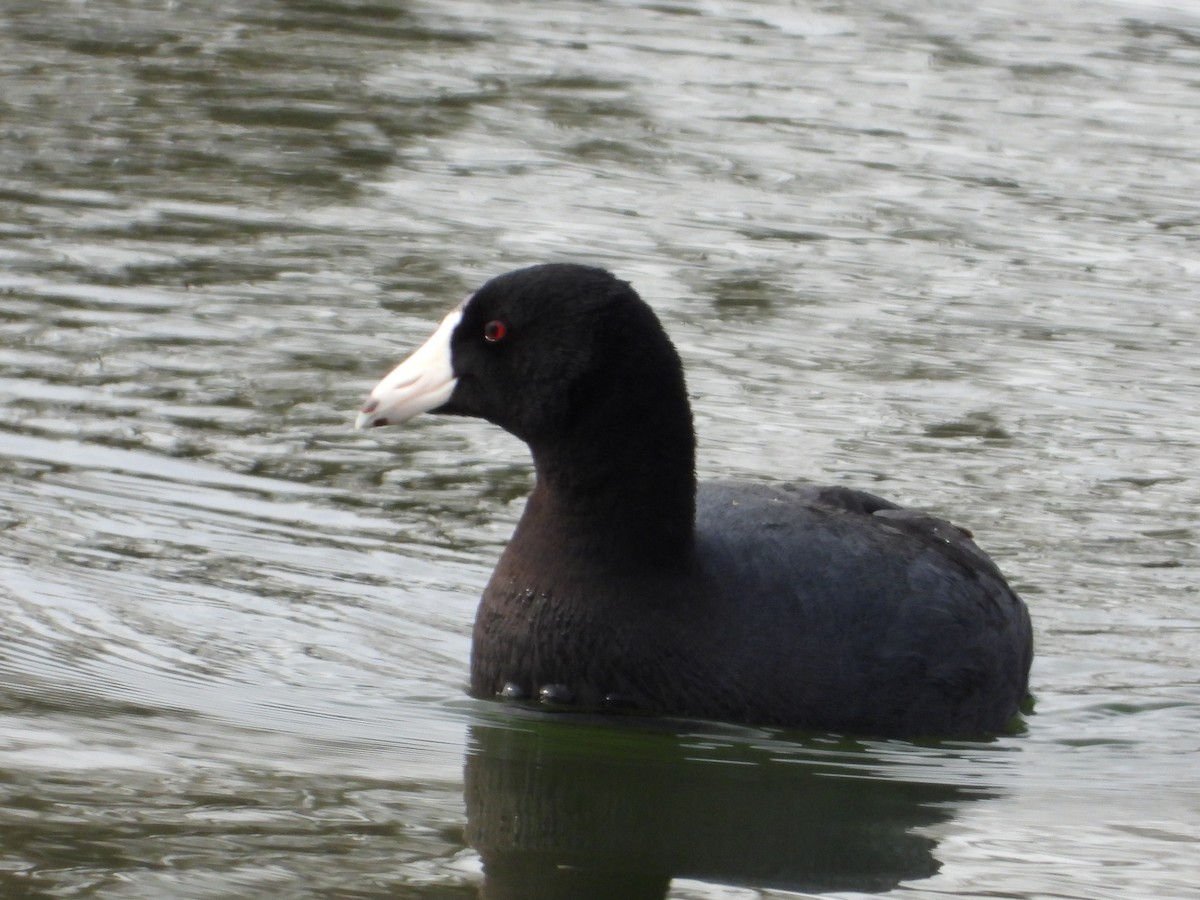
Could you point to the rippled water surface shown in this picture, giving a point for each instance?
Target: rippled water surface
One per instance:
(947, 252)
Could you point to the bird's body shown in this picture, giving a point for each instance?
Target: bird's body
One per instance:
(627, 586)
(818, 608)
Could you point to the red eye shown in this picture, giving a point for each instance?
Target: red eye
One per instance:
(494, 331)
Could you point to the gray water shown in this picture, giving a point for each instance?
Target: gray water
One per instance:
(943, 251)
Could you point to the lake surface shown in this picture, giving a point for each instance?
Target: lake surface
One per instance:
(946, 252)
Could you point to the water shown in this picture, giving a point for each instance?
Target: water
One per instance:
(945, 252)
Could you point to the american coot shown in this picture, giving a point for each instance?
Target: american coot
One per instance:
(627, 587)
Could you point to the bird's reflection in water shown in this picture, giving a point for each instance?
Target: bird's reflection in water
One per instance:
(571, 807)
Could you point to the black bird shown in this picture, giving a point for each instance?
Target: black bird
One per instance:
(628, 587)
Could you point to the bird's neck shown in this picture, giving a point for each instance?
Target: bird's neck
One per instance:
(631, 501)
